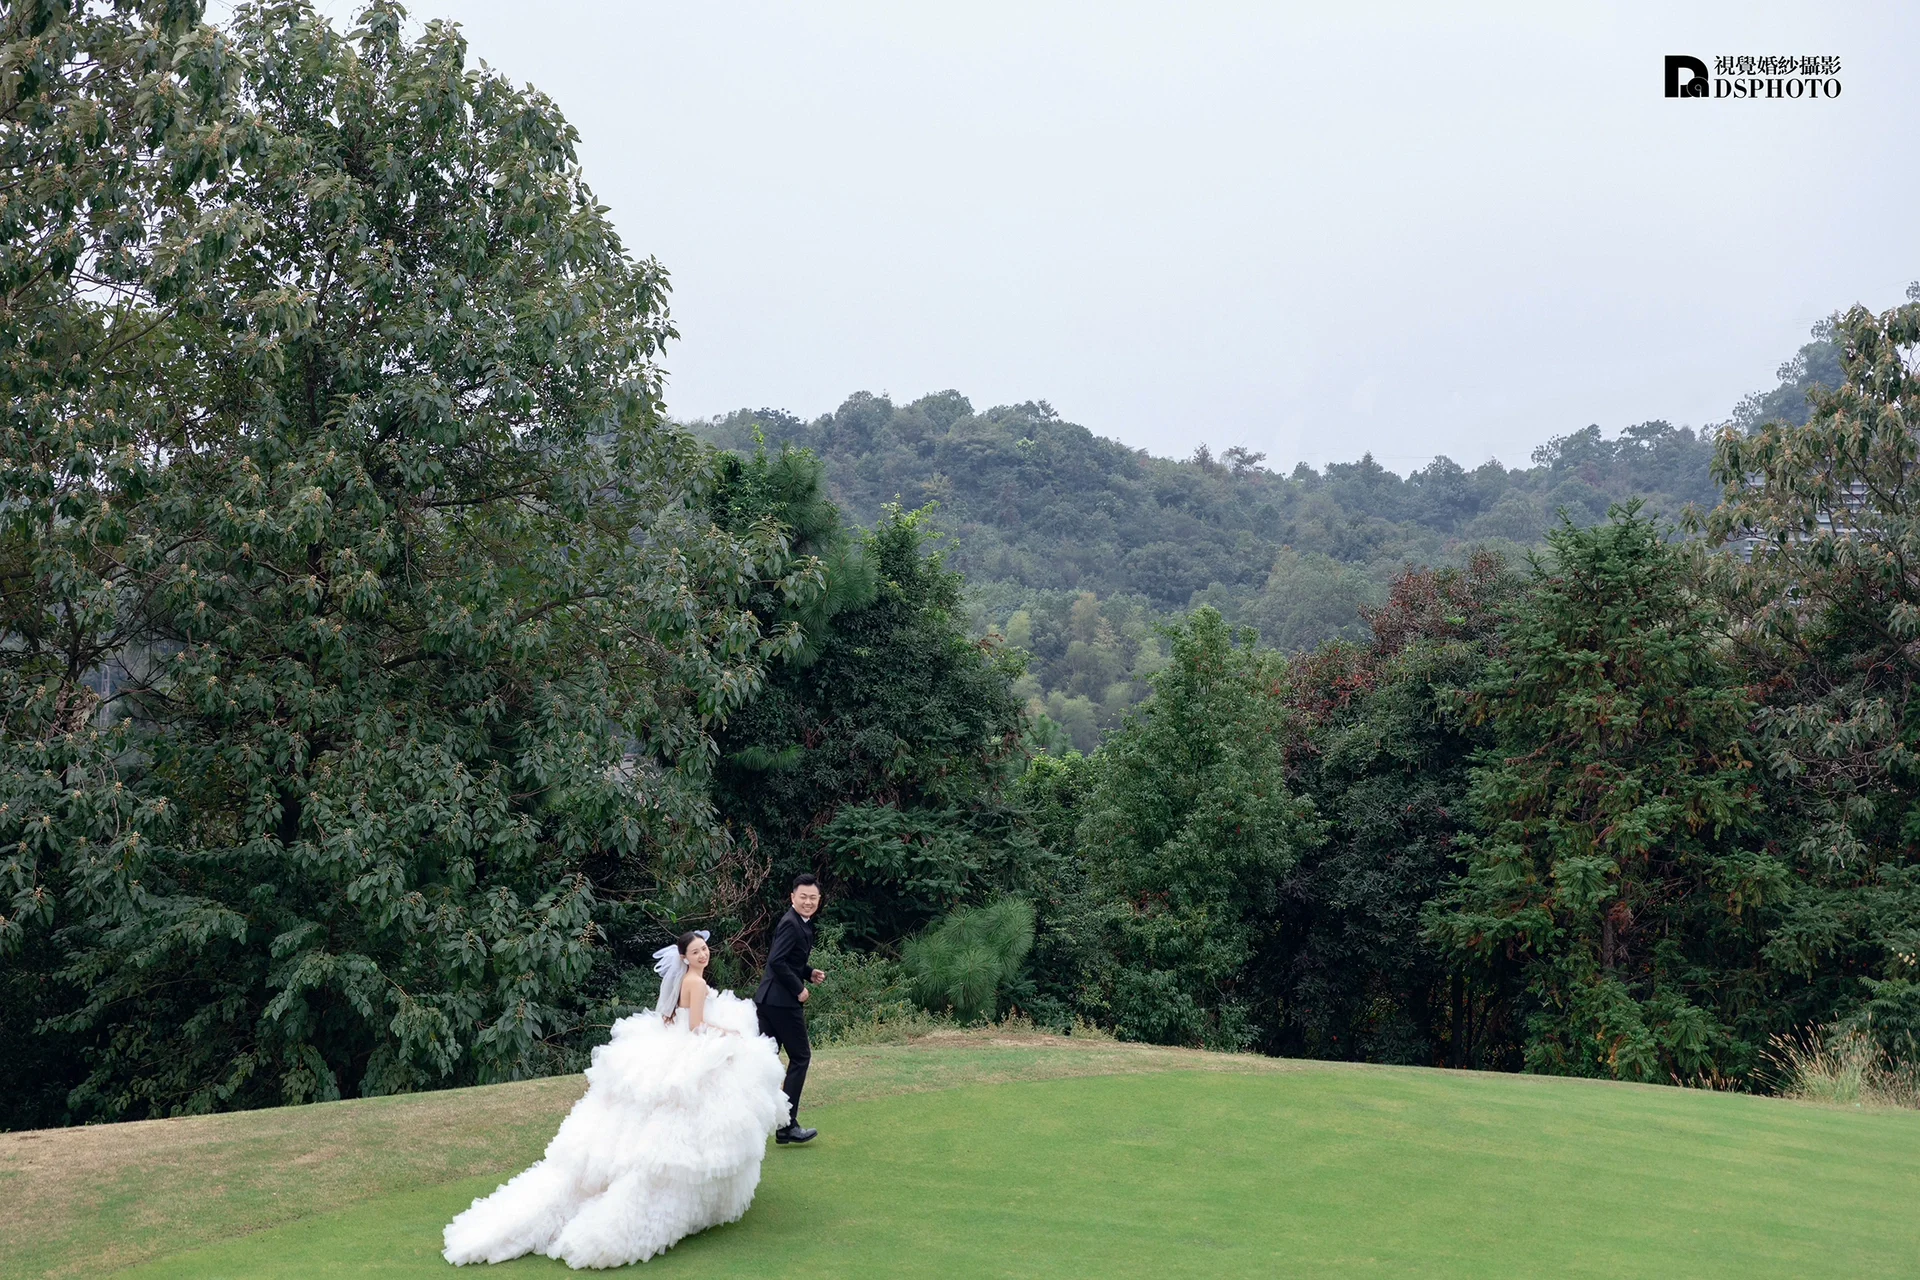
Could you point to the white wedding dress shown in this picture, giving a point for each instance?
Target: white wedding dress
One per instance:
(667, 1141)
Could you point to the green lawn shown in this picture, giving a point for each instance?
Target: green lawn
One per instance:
(1307, 1169)
(93, 1201)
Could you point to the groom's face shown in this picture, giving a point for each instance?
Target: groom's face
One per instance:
(806, 900)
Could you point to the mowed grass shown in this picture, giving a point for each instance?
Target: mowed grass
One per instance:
(93, 1201)
(1143, 1165)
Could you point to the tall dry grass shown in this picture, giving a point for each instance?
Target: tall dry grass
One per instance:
(1844, 1066)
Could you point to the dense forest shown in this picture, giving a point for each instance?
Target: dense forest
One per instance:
(384, 674)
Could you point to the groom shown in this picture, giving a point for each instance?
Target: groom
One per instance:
(782, 993)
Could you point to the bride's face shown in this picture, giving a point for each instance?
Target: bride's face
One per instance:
(697, 954)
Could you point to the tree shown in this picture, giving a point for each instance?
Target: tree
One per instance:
(1383, 753)
(1608, 864)
(415, 644)
(1188, 829)
(112, 118)
(1828, 601)
(1815, 366)
(882, 764)
(963, 963)
(1072, 963)
(786, 493)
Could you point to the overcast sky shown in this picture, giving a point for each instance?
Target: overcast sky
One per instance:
(1314, 230)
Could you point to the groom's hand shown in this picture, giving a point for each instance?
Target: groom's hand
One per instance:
(803, 995)
(819, 975)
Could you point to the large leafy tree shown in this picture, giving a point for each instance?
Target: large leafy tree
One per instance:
(112, 119)
(1828, 597)
(1610, 865)
(414, 639)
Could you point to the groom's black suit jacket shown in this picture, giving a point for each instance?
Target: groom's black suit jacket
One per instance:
(787, 967)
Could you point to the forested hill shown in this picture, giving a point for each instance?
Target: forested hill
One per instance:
(1047, 504)
(1075, 546)
(1044, 504)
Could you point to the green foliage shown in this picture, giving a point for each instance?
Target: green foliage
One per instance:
(1187, 827)
(1078, 549)
(1308, 600)
(785, 494)
(882, 764)
(1611, 807)
(1072, 959)
(1049, 506)
(963, 962)
(391, 626)
(1815, 367)
(112, 120)
(1088, 660)
(865, 999)
(1379, 748)
(1828, 608)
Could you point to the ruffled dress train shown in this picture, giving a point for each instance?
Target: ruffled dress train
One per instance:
(667, 1141)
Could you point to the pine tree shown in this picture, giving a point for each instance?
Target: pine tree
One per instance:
(964, 962)
(881, 764)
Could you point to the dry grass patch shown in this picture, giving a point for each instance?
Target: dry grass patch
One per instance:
(1843, 1066)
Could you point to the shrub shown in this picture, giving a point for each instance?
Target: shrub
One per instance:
(962, 962)
(863, 1001)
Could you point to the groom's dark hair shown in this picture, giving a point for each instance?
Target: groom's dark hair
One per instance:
(804, 878)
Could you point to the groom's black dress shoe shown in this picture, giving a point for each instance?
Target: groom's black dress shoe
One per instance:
(793, 1133)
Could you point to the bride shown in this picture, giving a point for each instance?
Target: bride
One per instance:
(667, 1140)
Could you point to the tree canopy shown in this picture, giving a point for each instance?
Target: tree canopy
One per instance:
(364, 631)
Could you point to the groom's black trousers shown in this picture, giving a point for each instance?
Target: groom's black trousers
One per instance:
(788, 1027)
